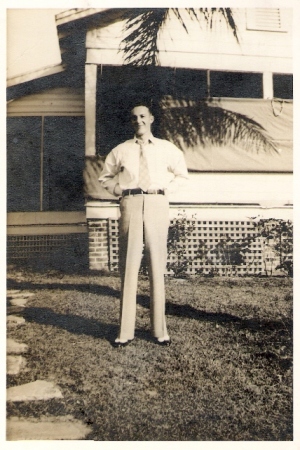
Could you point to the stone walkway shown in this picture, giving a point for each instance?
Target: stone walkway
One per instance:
(29, 428)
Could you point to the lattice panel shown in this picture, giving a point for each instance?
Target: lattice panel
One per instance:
(41, 247)
(24, 246)
(113, 244)
(210, 233)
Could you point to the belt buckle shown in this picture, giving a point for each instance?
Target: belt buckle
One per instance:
(135, 191)
(155, 191)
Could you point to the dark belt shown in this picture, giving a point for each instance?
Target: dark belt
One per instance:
(139, 191)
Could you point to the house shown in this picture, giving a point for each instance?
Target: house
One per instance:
(62, 124)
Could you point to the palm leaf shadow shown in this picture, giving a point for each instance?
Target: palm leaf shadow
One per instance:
(140, 45)
(142, 27)
(190, 125)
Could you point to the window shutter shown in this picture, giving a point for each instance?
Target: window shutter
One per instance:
(265, 19)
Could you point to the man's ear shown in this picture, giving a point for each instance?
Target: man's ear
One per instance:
(151, 119)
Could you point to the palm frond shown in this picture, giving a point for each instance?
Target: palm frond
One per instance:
(227, 13)
(210, 13)
(142, 26)
(141, 44)
(206, 125)
(192, 14)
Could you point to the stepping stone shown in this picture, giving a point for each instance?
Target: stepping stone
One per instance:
(15, 347)
(37, 390)
(14, 310)
(22, 295)
(47, 428)
(18, 301)
(152, 393)
(13, 291)
(15, 321)
(15, 364)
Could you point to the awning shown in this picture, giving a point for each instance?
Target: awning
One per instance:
(276, 119)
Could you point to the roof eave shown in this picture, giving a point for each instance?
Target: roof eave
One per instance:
(46, 71)
(70, 15)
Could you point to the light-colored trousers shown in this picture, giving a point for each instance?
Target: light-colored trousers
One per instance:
(144, 220)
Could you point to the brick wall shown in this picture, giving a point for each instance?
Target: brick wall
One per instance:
(98, 244)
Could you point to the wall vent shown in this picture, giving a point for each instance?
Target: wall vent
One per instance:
(266, 19)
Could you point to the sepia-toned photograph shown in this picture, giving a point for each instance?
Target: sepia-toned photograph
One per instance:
(149, 263)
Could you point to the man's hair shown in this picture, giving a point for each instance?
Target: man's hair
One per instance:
(141, 102)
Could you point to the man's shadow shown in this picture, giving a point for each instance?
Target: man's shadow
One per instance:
(73, 324)
(69, 322)
(91, 327)
(88, 288)
(221, 319)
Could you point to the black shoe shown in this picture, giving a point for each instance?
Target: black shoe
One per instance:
(165, 343)
(122, 344)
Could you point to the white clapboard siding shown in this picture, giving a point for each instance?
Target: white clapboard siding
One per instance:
(53, 102)
(201, 48)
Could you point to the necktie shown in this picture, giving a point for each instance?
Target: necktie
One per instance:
(144, 177)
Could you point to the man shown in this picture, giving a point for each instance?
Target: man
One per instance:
(143, 171)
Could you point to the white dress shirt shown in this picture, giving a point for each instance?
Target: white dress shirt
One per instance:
(166, 164)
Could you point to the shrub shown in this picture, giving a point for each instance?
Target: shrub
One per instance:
(277, 241)
(180, 232)
(274, 235)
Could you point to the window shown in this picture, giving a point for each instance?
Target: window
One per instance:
(63, 163)
(191, 84)
(45, 173)
(283, 86)
(236, 84)
(183, 117)
(23, 163)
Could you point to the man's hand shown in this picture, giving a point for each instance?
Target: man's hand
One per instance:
(117, 190)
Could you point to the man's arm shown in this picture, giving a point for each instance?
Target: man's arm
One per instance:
(179, 170)
(109, 175)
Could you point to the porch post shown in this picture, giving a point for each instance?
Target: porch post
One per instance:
(268, 85)
(90, 109)
(97, 227)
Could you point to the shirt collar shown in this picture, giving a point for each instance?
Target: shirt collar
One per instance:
(148, 138)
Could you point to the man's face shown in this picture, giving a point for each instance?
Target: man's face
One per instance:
(141, 120)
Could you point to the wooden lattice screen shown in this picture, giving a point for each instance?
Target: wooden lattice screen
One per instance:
(210, 233)
(56, 250)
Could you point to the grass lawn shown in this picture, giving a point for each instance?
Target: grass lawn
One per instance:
(226, 376)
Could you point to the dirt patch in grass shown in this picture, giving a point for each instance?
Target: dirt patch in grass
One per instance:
(226, 376)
